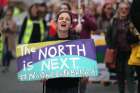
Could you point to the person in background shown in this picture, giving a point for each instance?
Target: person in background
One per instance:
(63, 85)
(104, 19)
(88, 24)
(76, 27)
(33, 27)
(103, 22)
(65, 7)
(87, 21)
(8, 29)
(50, 20)
(1, 49)
(135, 17)
(93, 6)
(1, 12)
(82, 29)
(42, 11)
(135, 14)
(117, 39)
(1, 41)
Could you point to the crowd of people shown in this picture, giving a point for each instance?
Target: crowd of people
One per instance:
(71, 21)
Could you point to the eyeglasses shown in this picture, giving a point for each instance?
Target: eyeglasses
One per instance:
(124, 8)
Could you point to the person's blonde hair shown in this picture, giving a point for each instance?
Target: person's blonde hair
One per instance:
(120, 6)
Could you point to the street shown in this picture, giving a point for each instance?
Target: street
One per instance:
(10, 84)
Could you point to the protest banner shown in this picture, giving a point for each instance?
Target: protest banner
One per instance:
(56, 59)
(104, 74)
(100, 46)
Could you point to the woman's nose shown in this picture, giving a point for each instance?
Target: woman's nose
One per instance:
(64, 20)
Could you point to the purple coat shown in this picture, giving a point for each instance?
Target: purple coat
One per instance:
(88, 24)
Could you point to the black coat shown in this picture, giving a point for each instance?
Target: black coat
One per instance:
(135, 13)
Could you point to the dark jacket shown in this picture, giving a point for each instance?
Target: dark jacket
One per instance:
(116, 36)
(135, 18)
(135, 13)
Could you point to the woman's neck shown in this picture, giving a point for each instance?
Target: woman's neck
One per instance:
(123, 17)
(63, 34)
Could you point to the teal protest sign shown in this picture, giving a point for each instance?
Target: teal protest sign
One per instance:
(75, 58)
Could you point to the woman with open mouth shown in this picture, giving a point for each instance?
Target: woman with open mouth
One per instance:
(63, 85)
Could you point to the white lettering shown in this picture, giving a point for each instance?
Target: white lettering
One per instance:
(41, 53)
(22, 77)
(25, 50)
(51, 49)
(24, 65)
(29, 66)
(60, 50)
(64, 64)
(74, 61)
(54, 64)
(32, 76)
(45, 65)
(70, 48)
(81, 50)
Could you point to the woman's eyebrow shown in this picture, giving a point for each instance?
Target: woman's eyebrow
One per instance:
(61, 17)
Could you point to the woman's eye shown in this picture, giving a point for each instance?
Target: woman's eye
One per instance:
(67, 19)
(61, 18)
